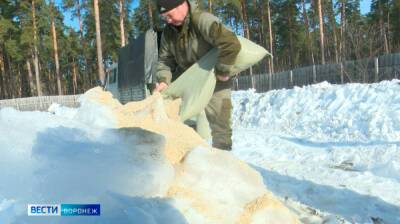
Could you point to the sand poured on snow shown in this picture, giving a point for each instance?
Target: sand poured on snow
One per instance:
(151, 114)
(155, 115)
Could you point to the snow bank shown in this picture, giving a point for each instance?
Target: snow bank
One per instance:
(48, 158)
(335, 148)
(137, 162)
(330, 112)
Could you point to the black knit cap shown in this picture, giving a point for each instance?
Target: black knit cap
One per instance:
(166, 5)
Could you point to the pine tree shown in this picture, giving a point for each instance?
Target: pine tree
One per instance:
(35, 54)
(271, 41)
(308, 34)
(121, 21)
(55, 47)
(379, 17)
(330, 9)
(98, 41)
(143, 18)
(150, 12)
(342, 29)
(7, 50)
(321, 31)
(395, 25)
(78, 7)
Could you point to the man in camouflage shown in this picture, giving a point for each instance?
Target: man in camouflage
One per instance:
(189, 35)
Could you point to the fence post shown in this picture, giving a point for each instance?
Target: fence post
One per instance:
(252, 81)
(237, 82)
(314, 72)
(270, 80)
(376, 69)
(341, 73)
(291, 78)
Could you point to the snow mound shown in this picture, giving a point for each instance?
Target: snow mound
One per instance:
(333, 148)
(324, 111)
(137, 160)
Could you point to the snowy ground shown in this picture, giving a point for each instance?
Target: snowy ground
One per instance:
(75, 156)
(331, 148)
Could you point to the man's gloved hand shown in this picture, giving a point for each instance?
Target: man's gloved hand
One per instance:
(160, 87)
(223, 78)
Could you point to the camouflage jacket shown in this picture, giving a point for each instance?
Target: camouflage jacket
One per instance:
(182, 47)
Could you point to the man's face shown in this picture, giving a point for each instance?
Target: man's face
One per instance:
(177, 15)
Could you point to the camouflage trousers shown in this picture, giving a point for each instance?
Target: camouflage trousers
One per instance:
(218, 112)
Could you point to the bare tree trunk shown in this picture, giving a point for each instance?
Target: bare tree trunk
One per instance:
(78, 9)
(291, 48)
(36, 65)
(291, 56)
(98, 42)
(210, 6)
(271, 62)
(11, 78)
(321, 32)
(245, 19)
(121, 21)
(333, 25)
(90, 77)
(30, 76)
(342, 30)
(388, 28)
(308, 36)
(382, 29)
(50, 86)
(150, 11)
(246, 31)
(35, 50)
(2, 75)
(7, 83)
(263, 36)
(74, 75)
(78, 12)
(21, 81)
(259, 14)
(55, 48)
(263, 39)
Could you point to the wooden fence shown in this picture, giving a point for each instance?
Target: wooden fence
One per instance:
(41, 103)
(370, 70)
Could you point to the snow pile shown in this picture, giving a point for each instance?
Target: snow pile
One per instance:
(140, 165)
(352, 112)
(71, 158)
(335, 148)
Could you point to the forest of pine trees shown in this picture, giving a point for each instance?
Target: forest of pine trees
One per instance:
(40, 55)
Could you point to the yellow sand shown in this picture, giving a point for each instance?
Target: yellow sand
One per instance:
(151, 114)
(268, 203)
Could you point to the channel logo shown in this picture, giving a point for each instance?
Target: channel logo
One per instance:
(64, 210)
(44, 210)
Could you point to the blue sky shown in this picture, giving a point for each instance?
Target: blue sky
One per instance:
(69, 20)
(365, 7)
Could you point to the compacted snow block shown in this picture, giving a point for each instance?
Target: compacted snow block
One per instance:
(210, 186)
